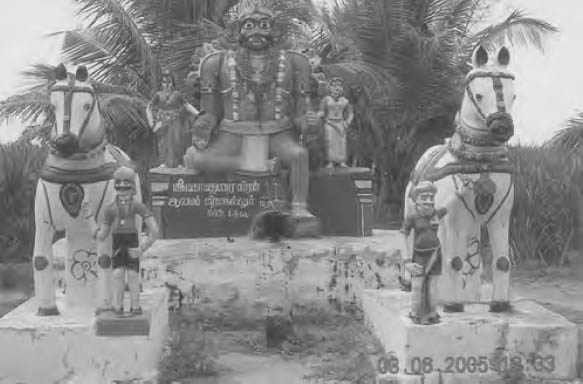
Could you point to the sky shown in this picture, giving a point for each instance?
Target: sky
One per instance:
(548, 85)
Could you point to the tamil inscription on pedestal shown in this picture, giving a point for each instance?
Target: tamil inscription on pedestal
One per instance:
(211, 205)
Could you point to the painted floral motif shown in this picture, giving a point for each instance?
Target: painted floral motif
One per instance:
(84, 265)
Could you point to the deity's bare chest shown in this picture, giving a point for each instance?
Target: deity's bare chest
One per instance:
(255, 86)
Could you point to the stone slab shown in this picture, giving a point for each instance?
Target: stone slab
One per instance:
(527, 345)
(198, 206)
(108, 324)
(252, 274)
(65, 349)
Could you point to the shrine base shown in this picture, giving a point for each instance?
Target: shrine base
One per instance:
(530, 344)
(66, 349)
(253, 276)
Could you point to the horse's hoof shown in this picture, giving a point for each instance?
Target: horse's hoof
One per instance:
(500, 306)
(453, 308)
(51, 311)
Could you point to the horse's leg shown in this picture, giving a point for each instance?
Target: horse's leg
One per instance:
(44, 284)
(498, 233)
(454, 230)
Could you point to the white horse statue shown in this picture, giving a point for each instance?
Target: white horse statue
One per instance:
(77, 176)
(476, 156)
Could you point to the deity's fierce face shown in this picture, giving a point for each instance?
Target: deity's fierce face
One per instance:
(336, 88)
(257, 30)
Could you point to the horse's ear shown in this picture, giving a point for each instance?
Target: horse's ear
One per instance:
(82, 74)
(480, 57)
(61, 72)
(504, 56)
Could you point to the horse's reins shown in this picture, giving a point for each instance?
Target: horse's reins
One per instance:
(69, 90)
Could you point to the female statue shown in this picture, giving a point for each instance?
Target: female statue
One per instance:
(170, 127)
(338, 114)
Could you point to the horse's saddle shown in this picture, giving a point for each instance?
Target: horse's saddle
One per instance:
(429, 171)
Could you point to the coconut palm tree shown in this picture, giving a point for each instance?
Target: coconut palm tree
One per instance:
(411, 56)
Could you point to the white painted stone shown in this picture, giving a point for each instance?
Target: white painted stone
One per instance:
(64, 349)
(259, 273)
(477, 335)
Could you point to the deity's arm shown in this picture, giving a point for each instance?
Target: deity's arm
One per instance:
(151, 225)
(211, 99)
(302, 69)
(187, 106)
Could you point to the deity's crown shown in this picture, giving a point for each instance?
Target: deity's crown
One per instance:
(423, 187)
(248, 7)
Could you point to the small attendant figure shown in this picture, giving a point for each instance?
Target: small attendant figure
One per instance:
(338, 115)
(424, 259)
(170, 126)
(120, 221)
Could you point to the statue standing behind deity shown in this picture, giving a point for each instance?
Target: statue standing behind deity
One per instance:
(169, 125)
(338, 115)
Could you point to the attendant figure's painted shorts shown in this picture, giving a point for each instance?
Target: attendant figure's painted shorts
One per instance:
(122, 243)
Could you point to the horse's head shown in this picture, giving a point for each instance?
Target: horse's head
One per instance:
(79, 128)
(486, 110)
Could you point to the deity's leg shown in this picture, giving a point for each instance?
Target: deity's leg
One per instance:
(293, 155)
(44, 285)
(223, 155)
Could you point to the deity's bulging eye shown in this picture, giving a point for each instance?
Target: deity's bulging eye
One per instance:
(86, 106)
(249, 24)
(265, 24)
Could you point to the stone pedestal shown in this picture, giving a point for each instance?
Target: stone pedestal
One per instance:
(194, 206)
(253, 276)
(67, 349)
(528, 345)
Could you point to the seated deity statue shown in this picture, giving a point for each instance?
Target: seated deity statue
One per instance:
(169, 125)
(255, 99)
(338, 115)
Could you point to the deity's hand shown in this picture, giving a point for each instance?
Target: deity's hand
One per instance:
(415, 269)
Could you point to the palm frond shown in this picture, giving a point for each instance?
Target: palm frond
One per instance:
(27, 107)
(517, 29)
(570, 138)
(123, 27)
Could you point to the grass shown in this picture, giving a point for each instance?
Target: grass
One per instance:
(333, 346)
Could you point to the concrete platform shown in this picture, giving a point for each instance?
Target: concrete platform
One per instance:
(528, 345)
(254, 275)
(65, 349)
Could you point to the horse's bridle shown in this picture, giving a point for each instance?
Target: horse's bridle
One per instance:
(497, 78)
(70, 89)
